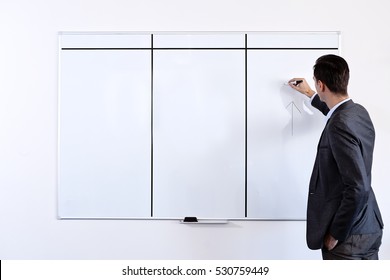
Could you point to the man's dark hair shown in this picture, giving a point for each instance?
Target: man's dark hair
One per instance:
(333, 71)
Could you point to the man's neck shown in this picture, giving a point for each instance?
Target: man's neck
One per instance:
(335, 99)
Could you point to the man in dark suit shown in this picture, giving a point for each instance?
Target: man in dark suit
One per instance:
(343, 217)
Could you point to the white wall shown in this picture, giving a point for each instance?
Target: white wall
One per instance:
(28, 122)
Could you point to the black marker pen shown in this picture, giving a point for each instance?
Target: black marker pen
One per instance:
(297, 82)
(294, 83)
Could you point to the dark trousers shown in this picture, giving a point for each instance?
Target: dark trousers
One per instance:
(356, 247)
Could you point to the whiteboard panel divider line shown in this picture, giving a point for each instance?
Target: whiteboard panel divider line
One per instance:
(190, 49)
(246, 125)
(105, 49)
(151, 124)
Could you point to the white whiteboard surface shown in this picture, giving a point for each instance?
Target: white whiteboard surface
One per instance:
(199, 136)
(283, 132)
(104, 148)
(104, 40)
(199, 40)
(284, 40)
(171, 125)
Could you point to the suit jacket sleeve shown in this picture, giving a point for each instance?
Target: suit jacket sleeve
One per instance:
(317, 103)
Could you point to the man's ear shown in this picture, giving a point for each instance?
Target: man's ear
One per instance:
(320, 85)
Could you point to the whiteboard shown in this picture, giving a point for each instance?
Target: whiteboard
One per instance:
(170, 125)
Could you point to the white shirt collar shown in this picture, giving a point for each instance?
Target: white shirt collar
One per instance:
(335, 107)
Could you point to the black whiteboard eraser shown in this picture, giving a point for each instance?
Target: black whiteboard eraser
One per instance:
(190, 219)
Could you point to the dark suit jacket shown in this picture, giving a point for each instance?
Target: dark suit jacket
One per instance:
(341, 201)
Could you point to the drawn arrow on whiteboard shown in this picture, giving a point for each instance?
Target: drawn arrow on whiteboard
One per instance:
(293, 108)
